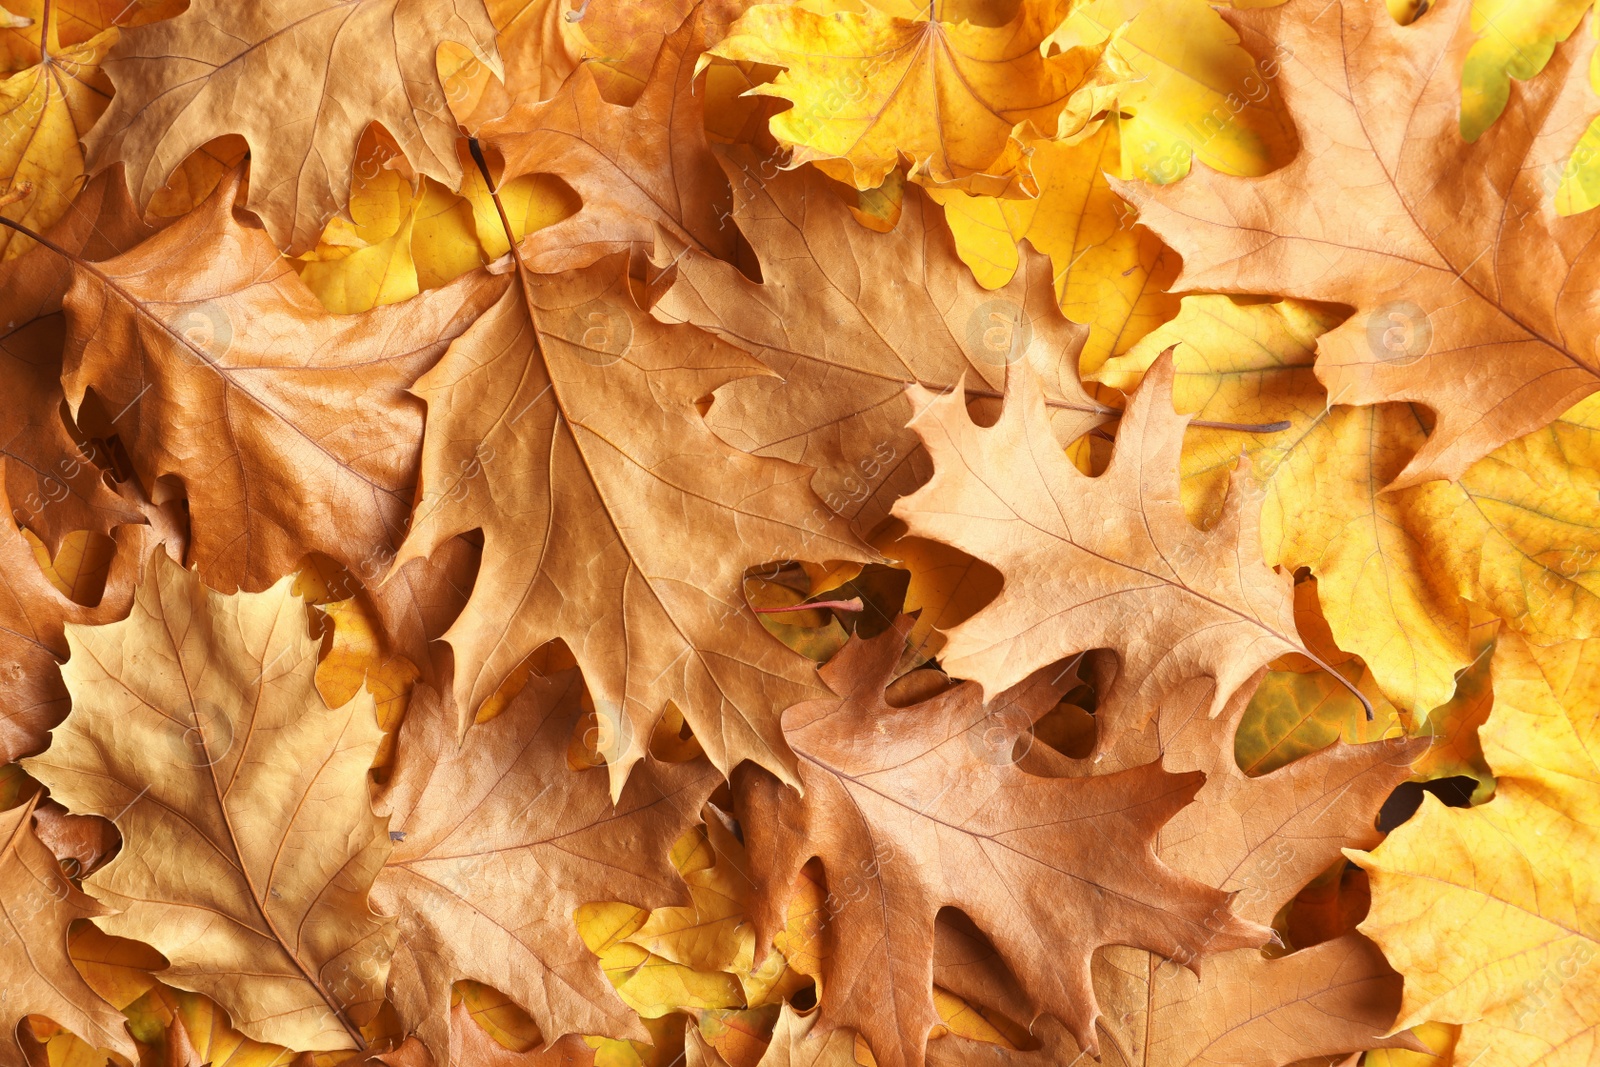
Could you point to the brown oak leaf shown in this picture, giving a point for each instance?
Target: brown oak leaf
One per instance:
(33, 618)
(299, 80)
(1107, 562)
(37, 903)
(847, 317)
(563, 425)
(55, 484)
(499, 842)
(242, 798)
(636, 168)
(1472, 296)
(910, 810)
(289, 428)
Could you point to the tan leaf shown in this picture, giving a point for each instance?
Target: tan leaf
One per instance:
(563, 425)
(637, 168)
(1471, 293)
(846, 318)
(289, 428)
(933, 812)
(37, 904)
(242, 800)
(482, 888)
(300, 81)
(1106, 562)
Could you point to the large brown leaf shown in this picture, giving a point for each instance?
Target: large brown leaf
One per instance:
(289, 428)
(563, 425)
(499, 843)
(920, 807)
(299, 80)
(1107, 562)
(36, 905)
(847, 318)
(637, 167)
(242, 798)
(55, 487)
(1473, 297)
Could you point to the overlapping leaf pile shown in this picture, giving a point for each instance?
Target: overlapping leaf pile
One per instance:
(835, 532)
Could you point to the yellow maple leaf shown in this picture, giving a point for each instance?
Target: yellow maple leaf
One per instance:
(1492, 913)
(871, 89)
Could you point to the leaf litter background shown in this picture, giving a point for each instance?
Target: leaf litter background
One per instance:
(404, 644)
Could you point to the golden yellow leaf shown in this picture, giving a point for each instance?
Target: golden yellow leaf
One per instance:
(871, 89)
(1109, 275)
(195, 727)
(1515, 39)
(206, 1026)
(1440, 1038)
(1491, 912)
(649, 984)
(1191, 90)
(44, 110)
(358, 656)
(1517, 534)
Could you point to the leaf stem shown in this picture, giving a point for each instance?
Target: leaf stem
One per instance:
(853, 604)
(1341, 679)
(494, 194)
(44, 33)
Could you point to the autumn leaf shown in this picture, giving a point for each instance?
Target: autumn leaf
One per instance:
(871, 89)
(299, 82)
(38, 904)
(501, 842)
(636, 168)
(566, 415)
(54, 483)
(844, 311)
(1396, 570)
(1048, 868)
(1108, 562)
(793, 1045)
(1467, 303)
(240, 796)
(1489, 911)
(318, 438)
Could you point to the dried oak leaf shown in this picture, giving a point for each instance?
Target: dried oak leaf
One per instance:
(1491, 912)
(563, 424)
(242, 798)
(472, 1046)
(299, 81)
(1471, 293)
(502, 841)
(33, 617)
(54, 484)
(636, 168)
(793, 1045)
(1259, 839)
(871, 89)
(37, 903)
(289, 428)
(1107, 562)
(909, 811)
(846, 318)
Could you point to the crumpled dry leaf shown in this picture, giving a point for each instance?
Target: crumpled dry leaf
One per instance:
(843, 312)
(1490, 912)
(482, 890)
(299, 80)
(565, 418)
(636, 168)
(240, 796)
(871, 89)
(289, 429)
(1107, 562)
(37, 903)
(1466, 283)
(934, 813)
